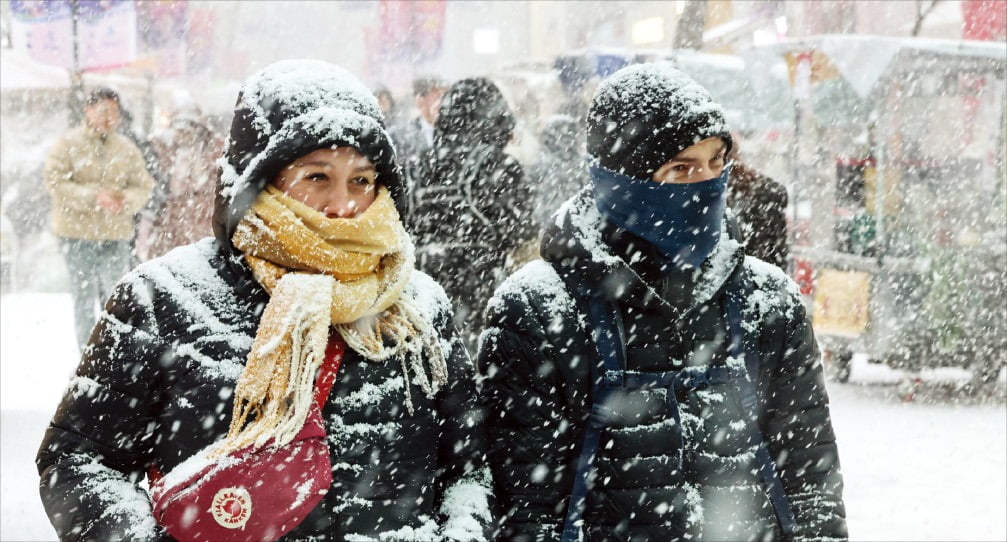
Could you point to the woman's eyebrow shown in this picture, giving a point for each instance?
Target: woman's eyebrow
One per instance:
(362, 169)
(316, 163)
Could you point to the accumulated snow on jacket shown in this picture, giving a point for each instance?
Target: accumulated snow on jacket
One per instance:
(536, 355)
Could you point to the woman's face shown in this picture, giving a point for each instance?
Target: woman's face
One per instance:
(700, 162)
(339, 182)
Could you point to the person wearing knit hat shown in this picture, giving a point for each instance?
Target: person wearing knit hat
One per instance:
(228, 345)
(646, 380)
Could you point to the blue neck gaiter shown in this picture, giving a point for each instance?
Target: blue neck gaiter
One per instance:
(682, 220)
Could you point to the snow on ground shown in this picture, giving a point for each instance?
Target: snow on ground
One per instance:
(931, 469)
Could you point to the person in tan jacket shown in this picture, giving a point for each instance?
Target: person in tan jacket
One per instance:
(98, 180)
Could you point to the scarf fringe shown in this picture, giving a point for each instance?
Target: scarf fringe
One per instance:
(409, 337)
(276, 389)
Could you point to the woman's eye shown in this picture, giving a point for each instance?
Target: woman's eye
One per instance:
(679, 168)
(363, 181)
(316, 177)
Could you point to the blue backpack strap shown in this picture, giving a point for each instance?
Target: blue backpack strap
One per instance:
(738, 347)
(606, 326)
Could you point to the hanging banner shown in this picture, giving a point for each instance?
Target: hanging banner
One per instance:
(162, 36)
(984, 20)
(106, 32)
(411, 31)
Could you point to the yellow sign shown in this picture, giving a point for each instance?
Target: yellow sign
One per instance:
(821, 68)
(841, 302)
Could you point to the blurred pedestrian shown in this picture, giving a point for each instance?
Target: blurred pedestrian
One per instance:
(394, 116)
(760, 207)
(135, 134)
(470, 205)
(557, 173)
(647, 381)
(302, 325)
(181, 210)
(417, 135)
(98, 180)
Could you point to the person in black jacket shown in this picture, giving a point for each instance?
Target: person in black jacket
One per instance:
(308, 252)
(469, 199)
(646, 380)
(760, 205)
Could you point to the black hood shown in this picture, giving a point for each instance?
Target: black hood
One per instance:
(561, 137)
(473, 111)
(287, 110)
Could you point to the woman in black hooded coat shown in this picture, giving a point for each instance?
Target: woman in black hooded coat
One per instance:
(469, 198)
(165, 364)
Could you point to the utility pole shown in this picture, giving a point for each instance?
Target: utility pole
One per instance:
(76, 77)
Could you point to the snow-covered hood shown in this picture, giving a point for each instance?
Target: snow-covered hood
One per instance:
(575, 244)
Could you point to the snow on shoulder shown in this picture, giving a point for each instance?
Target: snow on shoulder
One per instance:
(186, 276)
(538, 279)
(774, 291)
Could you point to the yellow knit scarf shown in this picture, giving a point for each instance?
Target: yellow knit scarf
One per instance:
(349, 273)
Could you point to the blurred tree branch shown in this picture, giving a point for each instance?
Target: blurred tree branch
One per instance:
(921, 14)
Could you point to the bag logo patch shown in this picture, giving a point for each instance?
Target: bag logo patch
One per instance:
(231, 507)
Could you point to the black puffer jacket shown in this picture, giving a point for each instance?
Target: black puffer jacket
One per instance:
(469, 198)
(536, 356)
(155, 386)
(157, 378)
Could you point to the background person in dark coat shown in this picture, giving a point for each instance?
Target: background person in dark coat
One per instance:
(760, 206)
(678, 459)
(470, 199)
(556, 173)
(415, 137)
(160, 375)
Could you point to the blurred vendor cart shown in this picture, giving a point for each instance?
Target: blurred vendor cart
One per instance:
(904, 198)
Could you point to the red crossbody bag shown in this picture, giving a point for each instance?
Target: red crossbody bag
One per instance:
(252, 495)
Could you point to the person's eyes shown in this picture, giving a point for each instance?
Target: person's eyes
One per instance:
(362, 181)
(681, 168)
(317, 177)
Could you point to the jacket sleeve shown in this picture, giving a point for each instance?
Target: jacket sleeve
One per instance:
(65, 191)
(798, 427)
(140, 184)
(98, 444)
(466, 496)
(531, 434)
